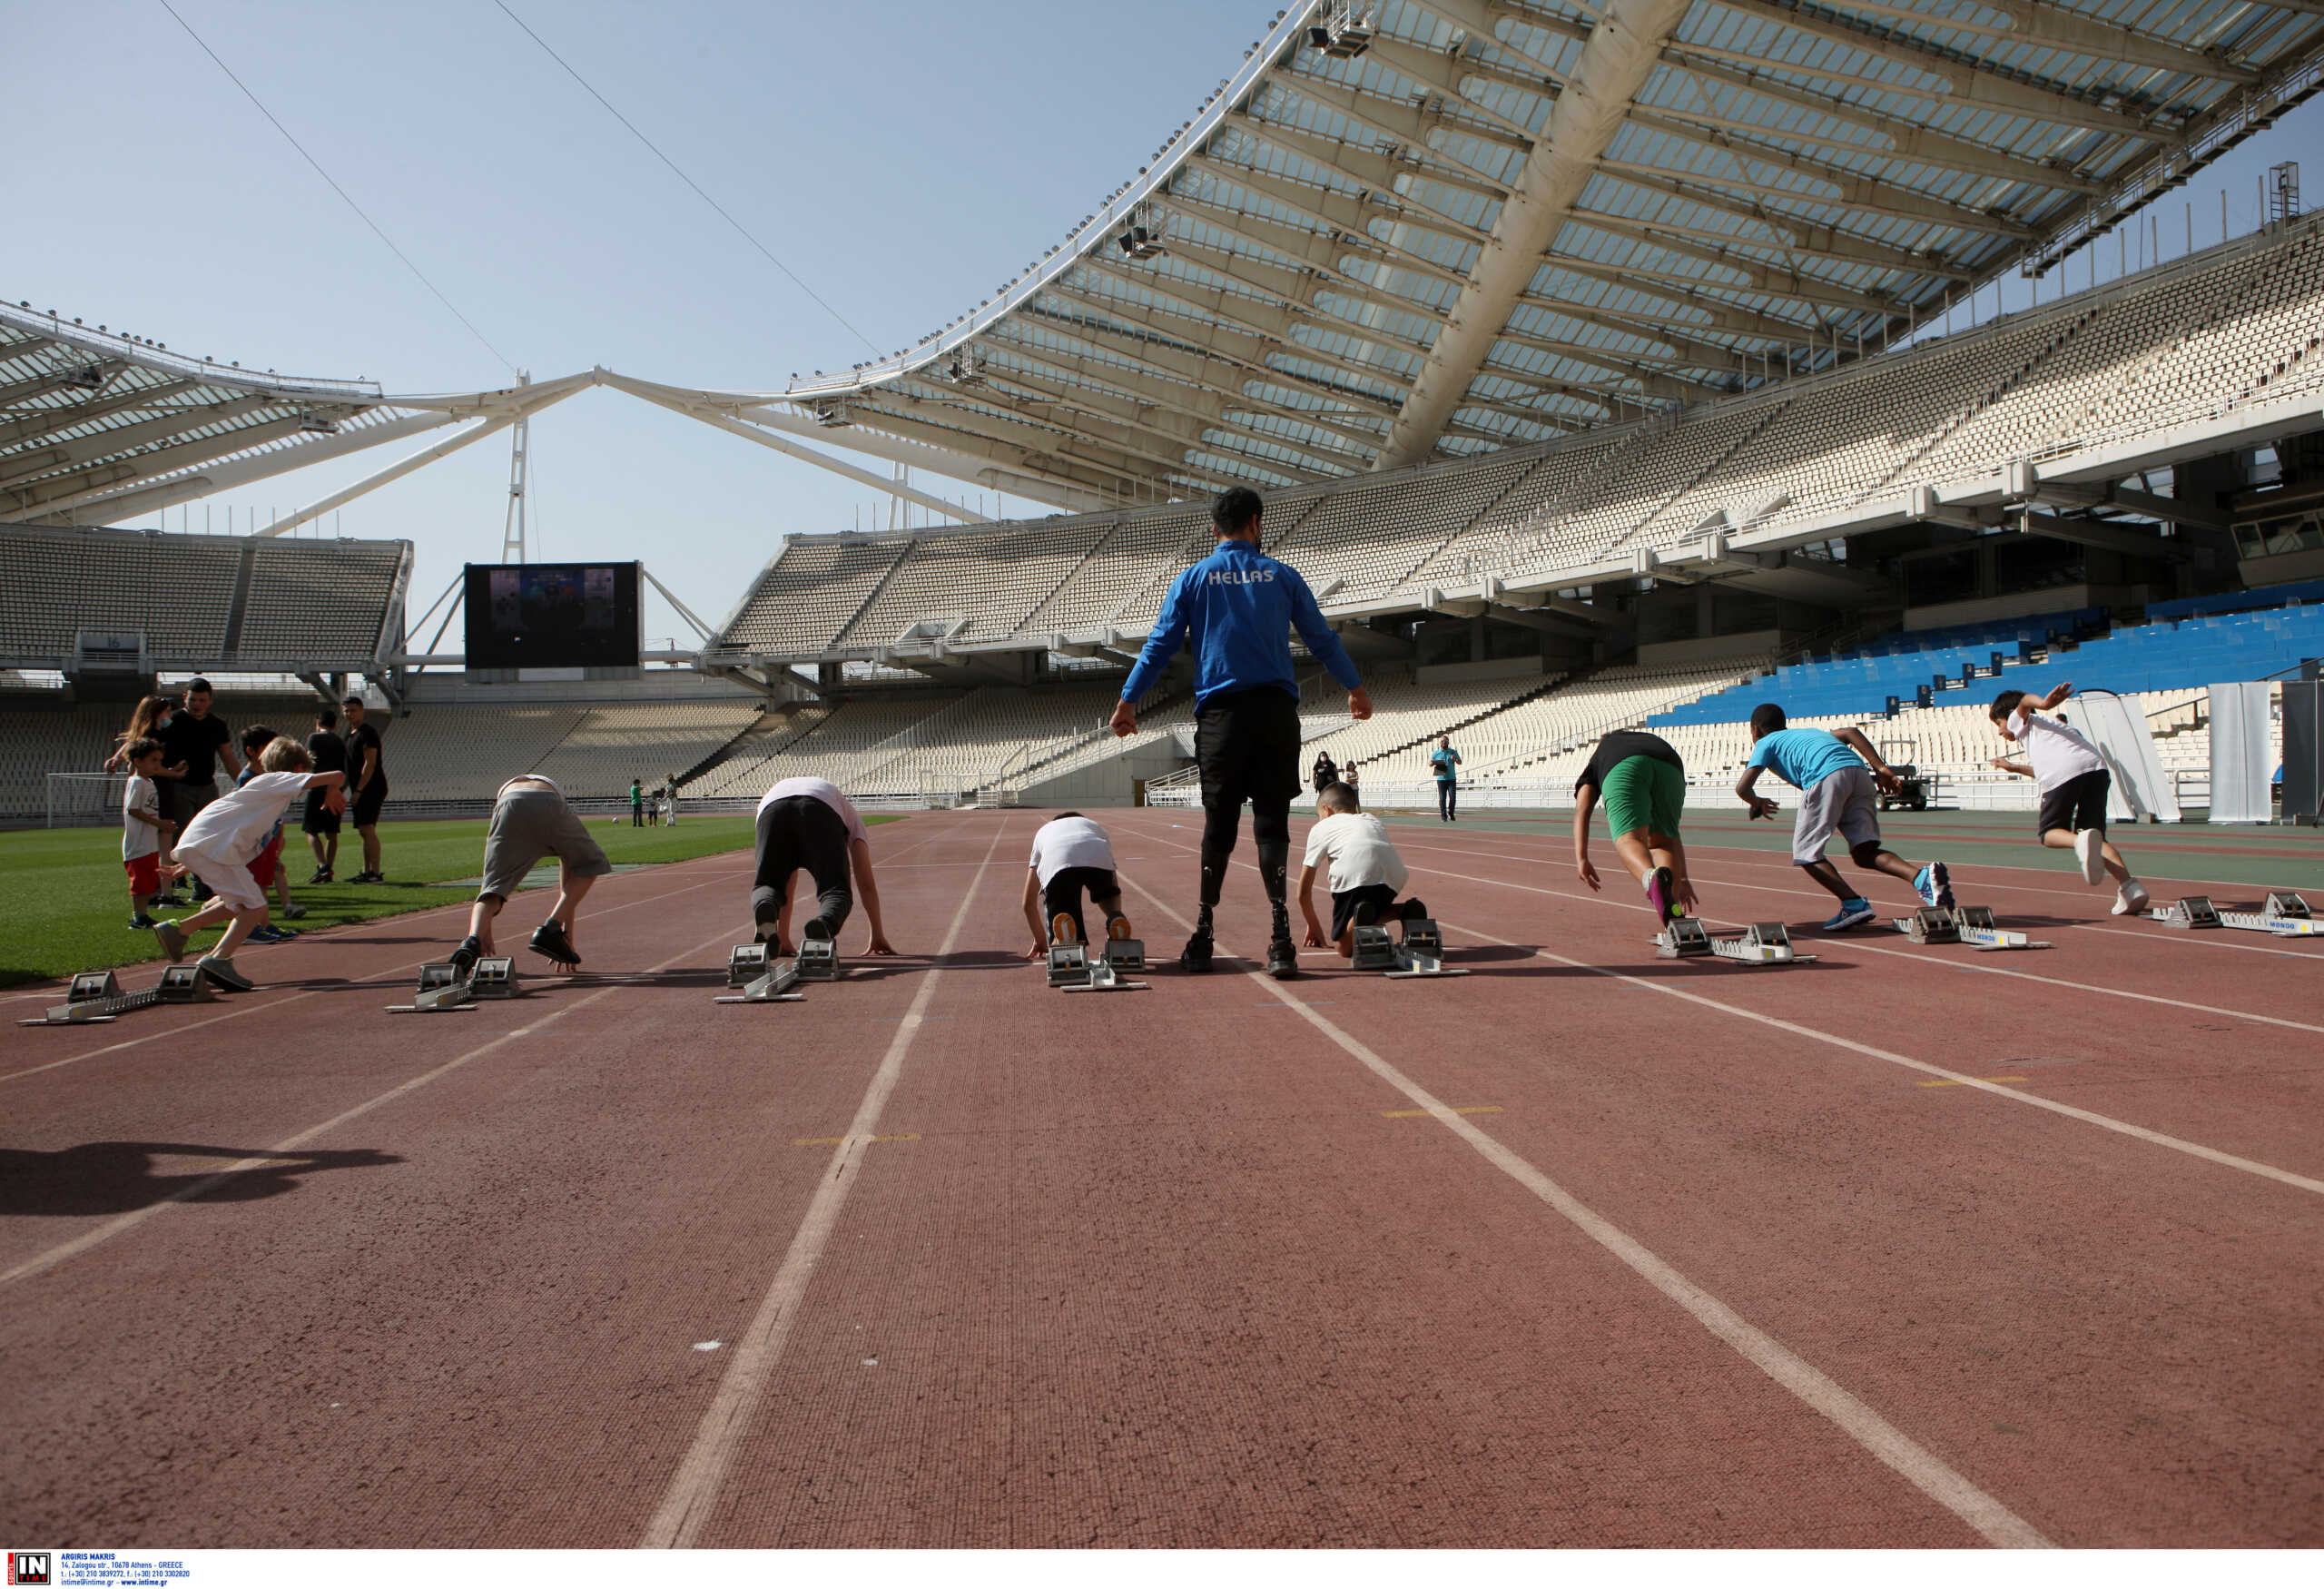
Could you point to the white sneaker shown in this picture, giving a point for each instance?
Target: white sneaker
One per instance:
(2130, 899)
(2085, 849)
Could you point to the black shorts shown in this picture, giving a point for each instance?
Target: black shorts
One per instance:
(1378, 895)
(319, 818)
(363, 810)
(1061, 895)
(2078, 803)
(1248, 745)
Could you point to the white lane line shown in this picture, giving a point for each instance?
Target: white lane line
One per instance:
(2030, 1099)
(1915, 1464)
(700, 1476)
(1951, 962)
(114, 1227)
(241, 1008)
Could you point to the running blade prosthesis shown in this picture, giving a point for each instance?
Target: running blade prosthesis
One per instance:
(1760, 943)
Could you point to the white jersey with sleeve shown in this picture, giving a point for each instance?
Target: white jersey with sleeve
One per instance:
(821, 789)
(2057, 753)
(140, 838)
(1070, 841)
(1359, 852)
(234, 827)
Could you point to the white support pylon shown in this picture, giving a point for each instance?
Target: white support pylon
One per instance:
(512, 532)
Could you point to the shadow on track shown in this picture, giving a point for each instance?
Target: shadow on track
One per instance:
(119, 1177)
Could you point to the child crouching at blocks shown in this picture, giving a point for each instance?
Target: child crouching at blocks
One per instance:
(1364, 871)
(222, 840)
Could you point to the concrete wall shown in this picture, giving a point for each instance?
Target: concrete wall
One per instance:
(1107, 783)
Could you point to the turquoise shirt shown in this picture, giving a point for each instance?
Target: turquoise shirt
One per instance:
(1445, 761)
(1803, 757)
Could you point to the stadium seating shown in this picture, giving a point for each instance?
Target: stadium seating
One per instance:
(39, 736)
(2201, 337)
(317, 602)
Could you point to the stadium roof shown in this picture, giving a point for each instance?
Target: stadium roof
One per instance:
(1503, 221)
(97, 426)
(1398, 231)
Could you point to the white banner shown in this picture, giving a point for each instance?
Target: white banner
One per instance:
(2243, 763)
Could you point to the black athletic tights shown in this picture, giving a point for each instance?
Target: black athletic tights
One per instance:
(1270, 825)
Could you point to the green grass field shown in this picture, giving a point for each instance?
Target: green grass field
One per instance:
(65, 900)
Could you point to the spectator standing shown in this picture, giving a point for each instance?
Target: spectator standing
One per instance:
(367, 785)
(637, 803)
(147, 723)
(321, 823)
(1326, 773)
(196, 740)
(144, 834)
(1446, 761)
(1351, 777)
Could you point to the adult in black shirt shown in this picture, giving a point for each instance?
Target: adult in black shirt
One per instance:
(1326, 772)
(367, 786)
(1644, 784)
(321, 824)
(196, 739)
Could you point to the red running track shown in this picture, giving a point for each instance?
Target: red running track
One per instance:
(1913, 1247)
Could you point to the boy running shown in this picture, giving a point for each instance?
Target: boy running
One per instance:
(2074, 780)
(807, 824)
(1071, 855)
(266, 867)
(1365, 874)
(1837, 775)
(1644, 784)
(219, 845)
(530, 819)
(144, 832)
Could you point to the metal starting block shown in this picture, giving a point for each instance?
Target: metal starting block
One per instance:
(1072, 969)
(1374, 950)
(1970, 924)
(1421, 953)
(2285, 914)
(95, 997)
(2194, 910)
(1760, 944)
(818, 960)
(771, 986)
(442, 989)
(746, 965)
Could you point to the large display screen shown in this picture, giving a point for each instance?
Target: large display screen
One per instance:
(553, 615)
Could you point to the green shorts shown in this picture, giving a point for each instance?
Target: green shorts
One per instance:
(1644, 791)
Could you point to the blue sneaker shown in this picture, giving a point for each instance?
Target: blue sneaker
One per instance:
(1934, 885)
(1855, 913)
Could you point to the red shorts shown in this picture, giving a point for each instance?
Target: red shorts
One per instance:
(264, 864)
(144, 873)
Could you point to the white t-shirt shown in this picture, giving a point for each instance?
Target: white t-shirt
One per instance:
(1359, 852)
(234, 827)
(140, 838)
(1070, 841)
(2056, 750)
(824, 790)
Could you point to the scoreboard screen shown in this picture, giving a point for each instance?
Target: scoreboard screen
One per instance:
(553, 615)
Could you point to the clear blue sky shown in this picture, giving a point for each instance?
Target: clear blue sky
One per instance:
(905, 159)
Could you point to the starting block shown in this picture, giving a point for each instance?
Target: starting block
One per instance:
(761, 979)
(2195, 910)
(1072, 969)
(2285, 914)
(1421, 954)
(95, 997)
(1760, 944)
(818, 961)
(746, 965)
(1970, 924)
(442, 989)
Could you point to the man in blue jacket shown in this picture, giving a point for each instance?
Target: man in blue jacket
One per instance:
(1238, 607)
